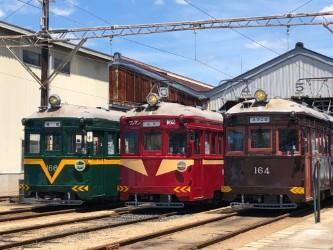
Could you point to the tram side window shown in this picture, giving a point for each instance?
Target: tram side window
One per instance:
(77, 144)
(53, 142)
(313, 142)
(131, 142)
(97, 144)
(113, 144)
(213, 148)
(235, 140)
(305, 145)
(34, 144)
(220, 143)
(207, 143)
(152, 141)
(177, 142)
(197, 141)
(288, 139)
(260, 138)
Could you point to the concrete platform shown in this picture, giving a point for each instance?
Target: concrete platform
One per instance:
(303, 235)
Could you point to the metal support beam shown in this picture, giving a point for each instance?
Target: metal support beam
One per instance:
(66, 60)
(296, 19)
(328, 28)
(27, 68)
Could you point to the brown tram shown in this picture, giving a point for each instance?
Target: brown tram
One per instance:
(275, 149)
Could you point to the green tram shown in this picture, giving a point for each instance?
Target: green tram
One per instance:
(71, 154)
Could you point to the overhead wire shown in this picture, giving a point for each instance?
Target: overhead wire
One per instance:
(150, 46)
(16, 10)
(251, 39)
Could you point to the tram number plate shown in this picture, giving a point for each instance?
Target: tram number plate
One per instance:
(52, 124)
(151, 124)
(261, 170)
(259, 119)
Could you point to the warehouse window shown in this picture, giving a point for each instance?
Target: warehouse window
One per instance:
(177, 142)
(66, 69)
(34, 144)
(32, 58)
(152, 141)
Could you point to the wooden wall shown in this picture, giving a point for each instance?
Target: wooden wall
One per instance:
(130, 88)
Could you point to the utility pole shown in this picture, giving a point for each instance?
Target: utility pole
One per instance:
(45, 55)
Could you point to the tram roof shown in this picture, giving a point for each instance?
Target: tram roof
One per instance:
(175, 109)
(76, 111)
(278, 106)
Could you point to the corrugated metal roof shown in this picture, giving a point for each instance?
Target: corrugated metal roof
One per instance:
(289, 55)
(189, 85)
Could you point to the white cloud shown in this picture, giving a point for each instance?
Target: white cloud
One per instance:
(65, 9)
(159, 2)
(2, 13)
(327, 8)
(276, 44)
(181, 2)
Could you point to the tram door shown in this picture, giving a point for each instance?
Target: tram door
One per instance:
(197, 170)
(307, 161)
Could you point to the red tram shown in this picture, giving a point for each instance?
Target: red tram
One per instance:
(276, 152)
(170, 155)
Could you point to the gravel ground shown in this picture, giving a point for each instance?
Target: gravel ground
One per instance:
(82, 241)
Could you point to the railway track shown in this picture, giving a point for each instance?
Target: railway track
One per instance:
(190, 236)
(18, 233)
(42, 211)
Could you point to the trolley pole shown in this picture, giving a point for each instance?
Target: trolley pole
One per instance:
(45, 55)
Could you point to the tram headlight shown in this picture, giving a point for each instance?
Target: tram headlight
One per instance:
(260, 95)
(181, 166)
(152, 99)
(80, 165)
(55, 101)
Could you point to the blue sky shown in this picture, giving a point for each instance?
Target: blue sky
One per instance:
(224, 50)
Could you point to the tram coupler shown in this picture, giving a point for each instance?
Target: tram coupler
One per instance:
(155, 204)
(248, 205)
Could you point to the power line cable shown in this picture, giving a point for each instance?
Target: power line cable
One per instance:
(234, 30)
(16, 10)
(150, 46)
(301, 6)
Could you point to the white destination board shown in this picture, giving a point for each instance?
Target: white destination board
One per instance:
(259, 119)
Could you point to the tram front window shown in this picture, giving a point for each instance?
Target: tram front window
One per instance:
(260, 138)
(34, 144)
(78, 144)
(53, 142)
(177, 142)
(131, 142)
(288, 139)
(235, 139)
(152, 141)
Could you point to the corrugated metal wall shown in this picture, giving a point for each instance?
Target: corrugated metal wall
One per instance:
(280, 81)
(128, 87)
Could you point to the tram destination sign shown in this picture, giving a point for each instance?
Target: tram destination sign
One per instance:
(52, 124)
(149, 124)
(259, 119)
